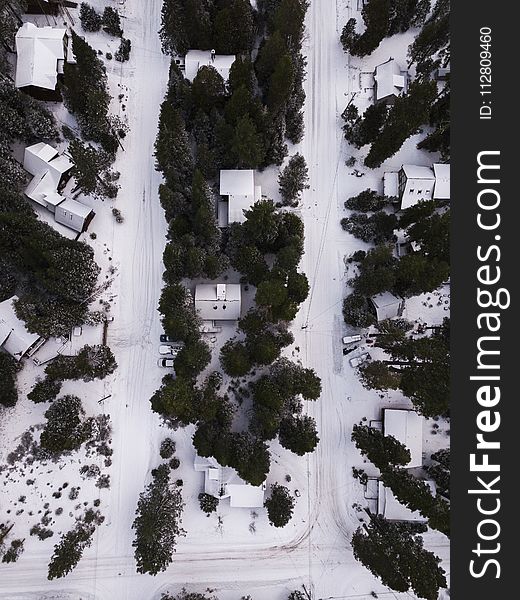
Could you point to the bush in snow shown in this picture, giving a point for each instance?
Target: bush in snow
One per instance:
(367, 201)
(92, 362)
(296, 595)
(90, 19)
(167, 448)
(13, 552)
(208, 503)
(279, 506)
(103, 482)
(112, 22)
(377, 228)
(42, 532)
(357, 311)
(174, 463)
(65, 428)
(123, 52)
(45, 390)
(157, 523)
(185, 595)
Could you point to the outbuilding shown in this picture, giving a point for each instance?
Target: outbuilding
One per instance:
(387, 306)
(73, 214)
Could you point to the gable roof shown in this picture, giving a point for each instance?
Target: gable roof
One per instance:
(387, 306)
(14, 336)
(38, 51)
(442, 181)
(218, 301)
(76, 208)
(195, 59)
(389, 79)
(389, 506)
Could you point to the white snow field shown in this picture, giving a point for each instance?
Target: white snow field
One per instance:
(233, 552)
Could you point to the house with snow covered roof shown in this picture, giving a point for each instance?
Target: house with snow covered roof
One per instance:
(239, 188)
(195, 59)
(387, 306)
(406, 426)
(51, 170)
(224, 482)
(218, 301)
(390, 81)
(14, 336)
(41, 54)
(392, 510)
(413, 183)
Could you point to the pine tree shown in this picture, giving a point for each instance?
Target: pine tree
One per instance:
(382, 450)
(279, 505)
(298, 434)
(234, 358)
(65, 427)
(90, 19)
(247, 145)
(157, 523)
(8, 390)
(294, 179)
(112, 22)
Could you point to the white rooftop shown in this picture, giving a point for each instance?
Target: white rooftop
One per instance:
(406, 426)
(195, 59)
(418, 172)
(76, 208)
(442, 181)
(420, 182)
(14, 337)
(387, 305)
(389, 79)
(218, 301)
(389, 507)
(391, 184)
(235, 182)
(38, 51)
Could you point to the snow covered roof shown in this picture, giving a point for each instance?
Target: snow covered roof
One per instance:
(218, 301)
(389, 80)
(391, 184)
(195, 59)
(14, 337)
(224, 482)
(389, 507)
(442, 181)
(40, 157)
(76, 208)
(407, 427)
(38, 51)
(417, 172)
(42, 189)
(387, 306)
(239, 186)
(418, 184)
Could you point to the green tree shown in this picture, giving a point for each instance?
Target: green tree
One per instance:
(69, 550)
(90, 19)
(280, 84)
(298, 434)
(8, 390)
(382, 450)
(233, 28)
(279, 505)
(235, 359)
(45, 390)
(247, 145)
(65, 428)
(193, 358)
(293, 179)
(357, 311)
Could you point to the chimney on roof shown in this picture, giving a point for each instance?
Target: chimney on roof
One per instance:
(213, 55)
(221, 291)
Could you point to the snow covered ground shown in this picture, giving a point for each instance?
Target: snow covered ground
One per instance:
(233, 552)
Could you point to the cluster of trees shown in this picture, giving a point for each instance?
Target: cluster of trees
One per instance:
(395, 553)
(92, 170)
(86, 95)
(69, 550)
(91, 20)
(419, 367)
(157, 523)
(10, 17)
(382, 18)
(390, 456)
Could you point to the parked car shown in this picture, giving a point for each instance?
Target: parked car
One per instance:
(359, 360)
(166, 362)
(166, 349)
(167, 339)
(350, 339)
(349, 350)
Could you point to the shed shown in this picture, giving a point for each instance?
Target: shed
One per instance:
(387, 306)
(14, 336)
(218, 301)
(441, 190)
(239, 187)
(391, 509)
(390, 80)
(406, 426)
(41, 52)
(73, 214)
(195, 59)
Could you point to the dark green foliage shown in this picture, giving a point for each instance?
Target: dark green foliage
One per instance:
(376, 272)
(247, 146)
(377, 228)
(357, 311)
(8, 390)
(123, 52)
(367, 201)
(194, 357)
(376, 375)
(250, 458)
(92, 362)
(365, 129)
(408, 113)
(185, 595)
(382, 450)
(293, 179)
(112, 22)
(179, 317)
(167, 449)
(298, 434)
(86, 95)
(208, 504)
(440, 471)
(13, 552)
(45, 390)
(394, 553)
(279, 505)
(432, 46)
(233, 31)
(65, 428)
(92, 170)
(90, 19)
(235, 359)
(175, 399)
(157, 523)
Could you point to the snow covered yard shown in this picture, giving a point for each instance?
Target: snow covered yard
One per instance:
(234, 551)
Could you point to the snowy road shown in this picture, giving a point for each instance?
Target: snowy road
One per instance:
(318, 555)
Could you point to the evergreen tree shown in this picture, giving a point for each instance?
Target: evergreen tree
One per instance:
(293, 179)
(157, 523)
(394, 553)
(365, 129)
(367, 201)
(45, 390)
(382, 450)
(234, 358)
(65, 428)
(247, 145)
(112, 22)
(233, 28)
(357, 311)
(90, 19)
(250, 458)
(193, 358)
(279, 505)
(8, 390)
(298, 434)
